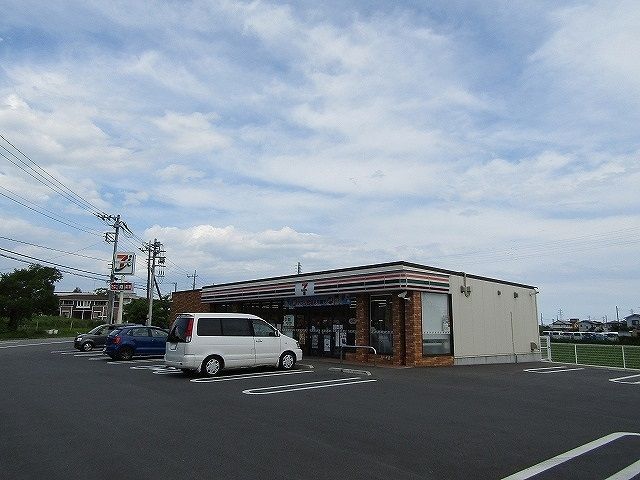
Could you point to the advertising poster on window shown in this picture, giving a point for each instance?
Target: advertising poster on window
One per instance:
(314, 341)
(327, 343)
(288, 321)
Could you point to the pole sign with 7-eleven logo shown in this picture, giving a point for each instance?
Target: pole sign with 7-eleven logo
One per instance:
(125, 263)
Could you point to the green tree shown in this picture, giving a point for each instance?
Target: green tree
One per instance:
(28, 291)
(137, 310)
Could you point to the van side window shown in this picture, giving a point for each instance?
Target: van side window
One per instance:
(209, 327)
(262, 329)
(236, 327)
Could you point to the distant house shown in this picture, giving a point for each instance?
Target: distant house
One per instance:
(615, 326)
(589, 326)
(633, 321)
(90, 306)
(562, 325)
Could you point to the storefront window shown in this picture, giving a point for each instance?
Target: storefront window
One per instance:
(381, 324)
(436, 330)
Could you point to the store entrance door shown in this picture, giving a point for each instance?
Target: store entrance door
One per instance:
(326, 328)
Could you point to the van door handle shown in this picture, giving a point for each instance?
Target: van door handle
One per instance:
(258, 340)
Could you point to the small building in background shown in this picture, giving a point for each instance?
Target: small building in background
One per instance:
(589, 326)
(633, 321)
(565, 325)
(88, 305)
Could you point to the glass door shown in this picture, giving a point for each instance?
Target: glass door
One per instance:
(381, 325)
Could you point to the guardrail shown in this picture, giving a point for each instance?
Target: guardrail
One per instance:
(342, 345)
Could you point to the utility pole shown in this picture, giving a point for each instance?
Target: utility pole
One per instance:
(194, 276)
(299, 268)
(617, 314)
(175, 286)
(155, 254)
(112, 237)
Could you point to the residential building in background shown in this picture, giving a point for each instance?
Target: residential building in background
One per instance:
(89, 305)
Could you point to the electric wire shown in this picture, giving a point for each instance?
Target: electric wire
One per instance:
(51, 217)
(53, 249)
(60, 269)
(52, 263)
(51, 182)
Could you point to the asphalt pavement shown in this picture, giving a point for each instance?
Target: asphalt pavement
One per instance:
(67, 415)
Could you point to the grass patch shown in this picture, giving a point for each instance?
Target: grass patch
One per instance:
(38, 326)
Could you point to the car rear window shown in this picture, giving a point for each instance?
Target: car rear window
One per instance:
(178, 329)
(209, 327)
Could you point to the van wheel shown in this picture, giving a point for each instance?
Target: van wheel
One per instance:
(211, 366)
(287, 361)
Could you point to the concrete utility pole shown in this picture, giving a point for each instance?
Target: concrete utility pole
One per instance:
(109, 237)
(299, 268)
(155, 254)
(194, 276)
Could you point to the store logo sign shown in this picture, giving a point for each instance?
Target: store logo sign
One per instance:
(304, 289)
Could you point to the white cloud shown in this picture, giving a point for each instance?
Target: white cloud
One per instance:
(595, 47)
(191, 133)
(179, 172)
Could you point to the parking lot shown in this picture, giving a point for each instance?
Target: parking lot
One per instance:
(68, 414)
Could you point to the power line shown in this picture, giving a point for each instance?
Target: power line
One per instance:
(60, 269)
(51, 263)
(53, 249)
(37, 210)
(33, 169)
(51, 182)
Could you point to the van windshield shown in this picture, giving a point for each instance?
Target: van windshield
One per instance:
(178, 330)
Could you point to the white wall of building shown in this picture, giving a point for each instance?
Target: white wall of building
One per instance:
(482, 322)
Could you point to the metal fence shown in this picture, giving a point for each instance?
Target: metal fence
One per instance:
(620, 356)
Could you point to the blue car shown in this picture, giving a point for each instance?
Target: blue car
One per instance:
(129, 341)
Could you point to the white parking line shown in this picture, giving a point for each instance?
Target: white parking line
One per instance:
(32, 344)
(627, 473)
(149, 367)
(305, 386)
(556, 369)
(619, 379)
(158, 369)
(246, 375)
(64, 351)
(127, 362)
(94, 354)
(167, 371)
(565, 457)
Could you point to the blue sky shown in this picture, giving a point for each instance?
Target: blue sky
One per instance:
(497, 138)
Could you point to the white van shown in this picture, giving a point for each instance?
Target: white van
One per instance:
(209, 342)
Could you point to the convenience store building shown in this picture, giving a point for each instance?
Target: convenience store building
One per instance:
(412, 314)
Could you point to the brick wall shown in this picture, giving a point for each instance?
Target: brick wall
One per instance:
(413, 336)
(187, 301)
